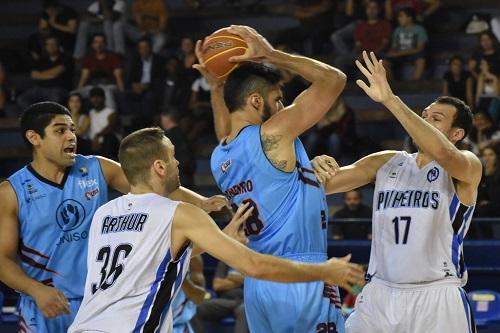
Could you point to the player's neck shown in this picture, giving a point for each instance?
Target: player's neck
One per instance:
(48, 170)
(147, 188)
(238, 122)
(422, 160)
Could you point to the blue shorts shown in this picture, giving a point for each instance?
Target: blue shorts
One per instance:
(183, 328)
(312, 307)
(31, 319)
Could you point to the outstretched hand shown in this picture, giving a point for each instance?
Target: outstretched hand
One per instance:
(236, 228)
(378, 89)
(342, 273)
(212, 80)
(258, 47)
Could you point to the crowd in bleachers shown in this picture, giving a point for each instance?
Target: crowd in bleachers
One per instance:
(118, 67)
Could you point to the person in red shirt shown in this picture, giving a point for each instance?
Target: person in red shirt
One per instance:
(372, 34)
(102, 68)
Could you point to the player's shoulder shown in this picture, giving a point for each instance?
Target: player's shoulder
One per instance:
(186, 212)
(8, 195)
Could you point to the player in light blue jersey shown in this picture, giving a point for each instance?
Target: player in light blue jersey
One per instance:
(45, 214)
(263, 163)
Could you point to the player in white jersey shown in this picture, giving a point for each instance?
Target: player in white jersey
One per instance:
(140, 247)
(422, 208)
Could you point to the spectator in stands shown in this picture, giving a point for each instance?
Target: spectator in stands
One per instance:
(63, 21)
(488, 200)
(36, 41)
(408, 45)
(316, 24)
(483, 132)
(169, 121)
(81, 119)
(103, 68)
(458, 82)
(489, 49)
(228, 284)
(173, 90)
(102, 16)
(334, 134)
(147, 71)
(52, 74)
(372, 34)
(353, 209)
(149, 19)
(422, 9)
(102, 125)
(488, 86)
(200, 107)
(3, 95)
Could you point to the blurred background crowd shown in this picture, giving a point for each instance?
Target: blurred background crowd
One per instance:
(122, 65)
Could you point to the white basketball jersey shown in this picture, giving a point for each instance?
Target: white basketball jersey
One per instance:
(132, 277)
(418, 225)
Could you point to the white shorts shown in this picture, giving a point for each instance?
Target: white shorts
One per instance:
(441, 308)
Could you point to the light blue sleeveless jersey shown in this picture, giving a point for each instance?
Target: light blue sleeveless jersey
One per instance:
(54, 222)
(290, 210)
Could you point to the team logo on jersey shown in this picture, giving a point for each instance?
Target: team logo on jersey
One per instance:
(225, 165)
(84, 171)
(433, 174)
(70, 215)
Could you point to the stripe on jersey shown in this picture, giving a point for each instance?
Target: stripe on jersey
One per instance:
(143, 315)
(178, 281)
(468, 311)
(460, 215)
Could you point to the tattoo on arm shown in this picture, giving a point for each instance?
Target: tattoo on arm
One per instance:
(270, 143)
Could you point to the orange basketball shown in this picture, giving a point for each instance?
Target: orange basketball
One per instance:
(217, 50)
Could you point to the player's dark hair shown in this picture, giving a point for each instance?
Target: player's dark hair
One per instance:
(246, 80)
(463, 116)
(409, 12)
(137, 152)
(38, 116)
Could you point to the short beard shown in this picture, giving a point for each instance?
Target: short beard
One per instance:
(266, 112)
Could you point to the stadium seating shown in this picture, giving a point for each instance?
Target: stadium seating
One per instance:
(486, 308)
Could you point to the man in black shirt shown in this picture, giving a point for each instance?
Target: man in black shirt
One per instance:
(169, 121)
(63, 21)
(353, 209)
(52, 73)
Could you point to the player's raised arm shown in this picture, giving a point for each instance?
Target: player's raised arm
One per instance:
(50, 301)
(309, 107)
(222, 119)
(192, 224)
(425, 132)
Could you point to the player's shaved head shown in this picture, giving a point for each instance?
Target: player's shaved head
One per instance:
(139, 150)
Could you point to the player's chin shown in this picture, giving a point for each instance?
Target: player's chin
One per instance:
(68, 159)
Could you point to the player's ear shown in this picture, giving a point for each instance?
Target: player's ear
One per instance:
(159, 167)
(458, 134)
(33, 137)
(255, 100)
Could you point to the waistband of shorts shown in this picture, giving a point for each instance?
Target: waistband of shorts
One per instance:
(450, 282)
(306, 257)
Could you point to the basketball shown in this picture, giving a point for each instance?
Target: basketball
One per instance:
(217, 50)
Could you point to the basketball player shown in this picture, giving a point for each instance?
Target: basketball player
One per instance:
(422, 208)
(263, 163)
(45, 214)
(140, 246)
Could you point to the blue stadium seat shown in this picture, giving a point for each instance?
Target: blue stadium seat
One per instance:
(486, 307)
